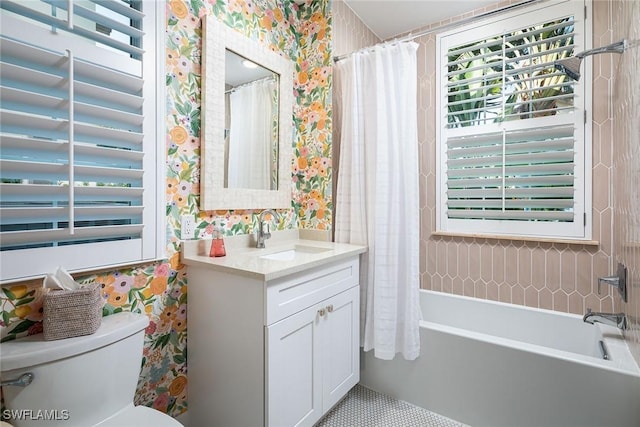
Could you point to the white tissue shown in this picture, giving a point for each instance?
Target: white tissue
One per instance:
(61, 279)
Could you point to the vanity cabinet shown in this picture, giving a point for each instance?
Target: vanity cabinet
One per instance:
(271, 352)
(312, 360)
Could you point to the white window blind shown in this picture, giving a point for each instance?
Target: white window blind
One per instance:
(514, 150)
(78, 165)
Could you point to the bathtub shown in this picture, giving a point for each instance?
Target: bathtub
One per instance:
(487, 363)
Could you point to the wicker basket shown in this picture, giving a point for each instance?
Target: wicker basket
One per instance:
(72, 313)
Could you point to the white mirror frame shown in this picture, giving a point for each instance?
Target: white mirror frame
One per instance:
(216, 38)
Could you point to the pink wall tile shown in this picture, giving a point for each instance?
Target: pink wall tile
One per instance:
(554, 276)
(625, 16)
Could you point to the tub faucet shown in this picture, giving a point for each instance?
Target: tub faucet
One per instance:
(262, 235)
(618, 320)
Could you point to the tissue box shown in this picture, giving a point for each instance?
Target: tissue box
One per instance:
(72, 313)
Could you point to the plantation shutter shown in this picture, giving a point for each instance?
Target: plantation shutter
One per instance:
(76, 168)
(512, 129)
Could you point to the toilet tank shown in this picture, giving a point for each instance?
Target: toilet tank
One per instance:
(79, 381)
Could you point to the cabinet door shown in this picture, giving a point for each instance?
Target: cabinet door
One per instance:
(340, 329)
(294, 392)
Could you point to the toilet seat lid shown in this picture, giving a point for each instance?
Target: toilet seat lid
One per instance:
(140, 416)
(34, 350)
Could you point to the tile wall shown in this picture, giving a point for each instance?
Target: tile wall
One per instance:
(625, 105)
(554, 276)
(350, 34)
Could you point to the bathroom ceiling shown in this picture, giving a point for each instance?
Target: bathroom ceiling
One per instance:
(389, 18)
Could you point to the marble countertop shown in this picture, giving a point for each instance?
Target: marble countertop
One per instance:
(243, 258)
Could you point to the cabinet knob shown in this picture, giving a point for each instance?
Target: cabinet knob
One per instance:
(330, 308)
(321, 312)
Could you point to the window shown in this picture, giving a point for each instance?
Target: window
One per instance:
(80, 159)
(513, 133)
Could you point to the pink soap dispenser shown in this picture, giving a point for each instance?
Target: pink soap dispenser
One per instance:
(217, 244)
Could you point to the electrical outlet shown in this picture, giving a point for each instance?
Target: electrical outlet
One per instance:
(187, 227)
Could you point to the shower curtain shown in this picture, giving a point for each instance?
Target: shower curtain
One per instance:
(252, 136)
(377, 200)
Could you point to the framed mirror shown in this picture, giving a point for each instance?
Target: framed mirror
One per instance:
(247, 122)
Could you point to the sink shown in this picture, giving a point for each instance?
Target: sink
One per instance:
(291, 254)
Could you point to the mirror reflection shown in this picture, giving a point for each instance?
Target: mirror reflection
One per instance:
(251, 124)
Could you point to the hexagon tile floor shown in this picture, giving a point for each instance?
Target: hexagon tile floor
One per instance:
(363, 407)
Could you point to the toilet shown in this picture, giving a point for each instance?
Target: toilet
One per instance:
(82, 381)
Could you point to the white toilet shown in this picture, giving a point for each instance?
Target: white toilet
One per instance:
(83, 381)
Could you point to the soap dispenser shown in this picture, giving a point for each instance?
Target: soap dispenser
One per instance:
(217, 244)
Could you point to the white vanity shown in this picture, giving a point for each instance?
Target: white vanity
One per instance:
(273, 334)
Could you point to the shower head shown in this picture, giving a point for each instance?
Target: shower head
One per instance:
(571, 65)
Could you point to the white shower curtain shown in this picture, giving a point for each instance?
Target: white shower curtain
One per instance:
(377, 201)
(251, 138)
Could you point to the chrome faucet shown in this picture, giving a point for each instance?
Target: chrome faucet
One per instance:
(618, 320)
(262, 235)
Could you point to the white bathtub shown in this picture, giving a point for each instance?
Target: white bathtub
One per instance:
(486, 363)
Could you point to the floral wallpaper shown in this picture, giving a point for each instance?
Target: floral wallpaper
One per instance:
(302, 33)
(312, 197)
(159, 290)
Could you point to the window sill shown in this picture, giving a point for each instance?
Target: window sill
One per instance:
(517, 238)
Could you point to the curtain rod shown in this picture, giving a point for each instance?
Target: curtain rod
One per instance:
(262, 79)
(441, 27)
